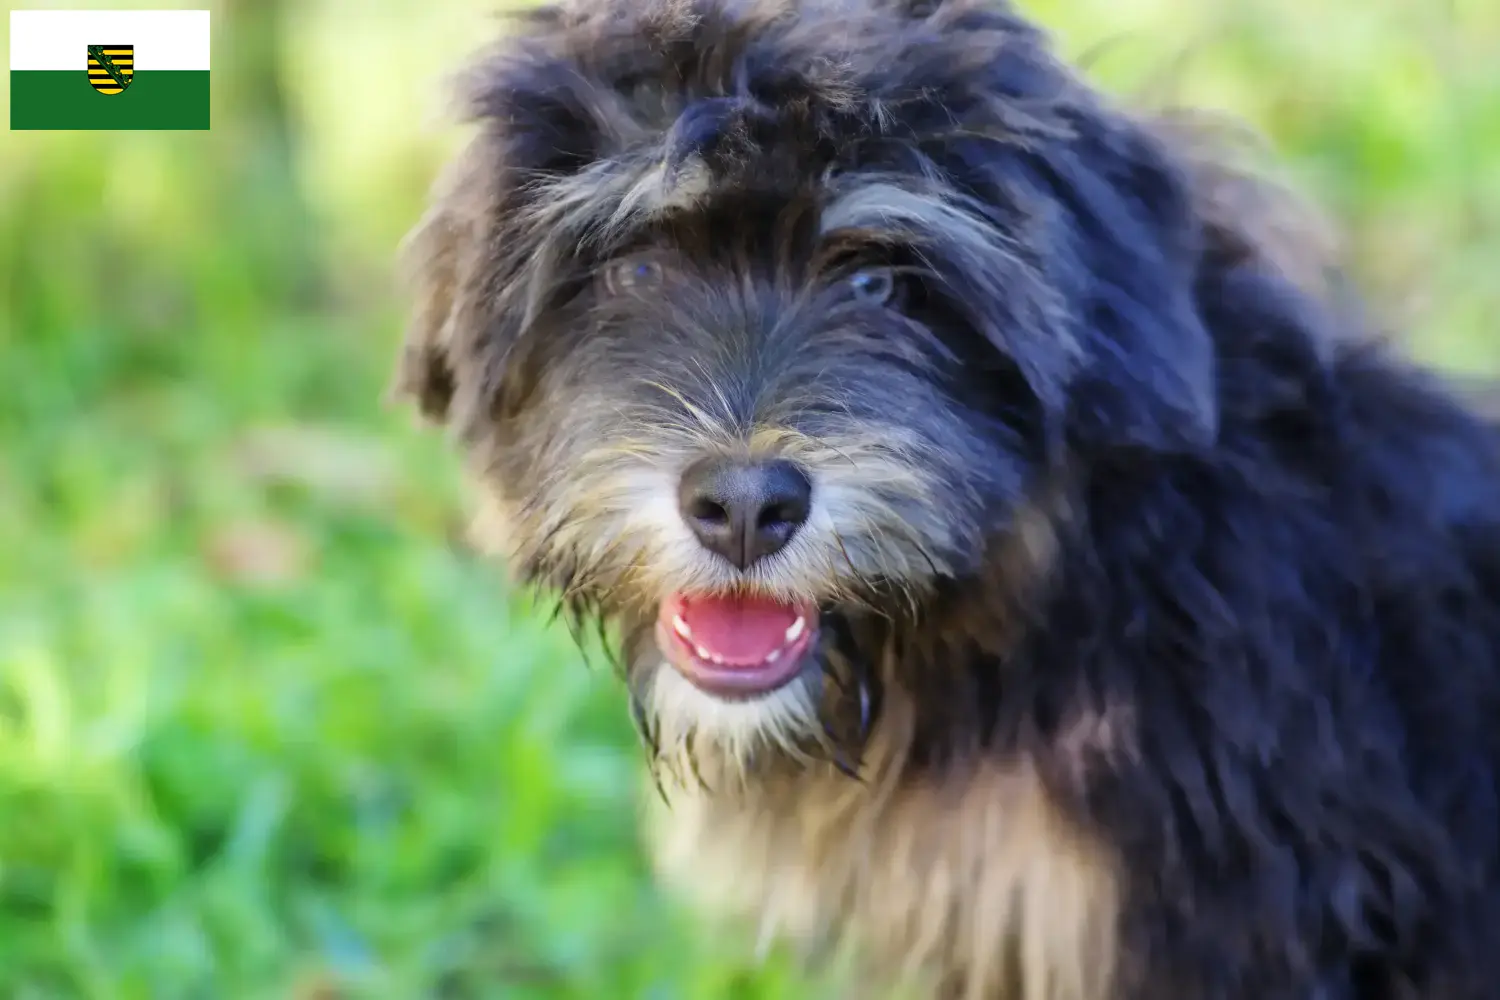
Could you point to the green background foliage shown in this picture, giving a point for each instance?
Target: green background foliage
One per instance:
(267, 729)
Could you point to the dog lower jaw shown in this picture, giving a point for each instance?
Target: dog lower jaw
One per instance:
(719, 737)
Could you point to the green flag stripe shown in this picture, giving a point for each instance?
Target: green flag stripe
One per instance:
(64, 99)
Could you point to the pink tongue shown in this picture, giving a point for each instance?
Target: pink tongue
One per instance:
(742, 630)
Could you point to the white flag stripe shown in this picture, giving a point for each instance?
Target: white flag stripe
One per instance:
(59, 39)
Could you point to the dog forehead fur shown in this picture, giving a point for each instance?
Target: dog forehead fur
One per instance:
(1161, 606)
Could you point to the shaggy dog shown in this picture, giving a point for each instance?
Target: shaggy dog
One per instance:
(1022, 574)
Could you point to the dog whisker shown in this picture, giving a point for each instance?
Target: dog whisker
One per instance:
(866, 709)
(833, 753)
(690, 752)
(837, 537)
(644, 726)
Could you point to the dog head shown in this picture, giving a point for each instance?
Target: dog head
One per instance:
(760, 319)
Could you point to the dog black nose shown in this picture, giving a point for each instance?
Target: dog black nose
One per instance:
(744, 511)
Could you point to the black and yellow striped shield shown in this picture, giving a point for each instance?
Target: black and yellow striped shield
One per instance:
(111, 67)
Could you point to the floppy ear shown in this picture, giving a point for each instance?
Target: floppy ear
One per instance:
(472, 265)
(1126, 247)
(1181, 239)
(507, 215)
(438, 259)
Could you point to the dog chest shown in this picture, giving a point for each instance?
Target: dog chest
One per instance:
(976, 888)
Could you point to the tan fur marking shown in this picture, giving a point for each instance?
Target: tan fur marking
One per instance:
(969, 885)
(492, 529)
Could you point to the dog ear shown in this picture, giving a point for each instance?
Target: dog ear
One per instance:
(1125, 256)
(1196, 239)
(506, 217)
(475, 265)
(438, 259)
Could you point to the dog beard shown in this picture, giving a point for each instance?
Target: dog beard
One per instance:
(820, 709)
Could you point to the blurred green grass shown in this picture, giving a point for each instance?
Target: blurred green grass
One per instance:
(266, 729)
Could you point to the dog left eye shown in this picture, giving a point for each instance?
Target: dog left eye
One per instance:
(631, 274)
(875, 285)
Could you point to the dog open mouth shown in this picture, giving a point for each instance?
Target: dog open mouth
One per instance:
(735, 645)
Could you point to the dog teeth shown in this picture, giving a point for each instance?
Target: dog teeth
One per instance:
(793, 633)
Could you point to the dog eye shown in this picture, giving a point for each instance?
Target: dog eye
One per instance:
(626, 274)
(875, 285)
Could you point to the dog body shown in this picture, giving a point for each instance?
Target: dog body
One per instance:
(1022, 576)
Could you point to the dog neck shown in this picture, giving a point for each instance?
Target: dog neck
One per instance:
(963, 881)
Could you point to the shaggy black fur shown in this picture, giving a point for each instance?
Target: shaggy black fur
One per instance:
(1274, 577)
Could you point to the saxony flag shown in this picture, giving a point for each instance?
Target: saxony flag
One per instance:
(109, 69)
